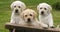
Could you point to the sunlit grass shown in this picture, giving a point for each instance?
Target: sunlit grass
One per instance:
(5, 11)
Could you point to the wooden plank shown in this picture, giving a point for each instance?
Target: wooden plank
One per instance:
(29, 28)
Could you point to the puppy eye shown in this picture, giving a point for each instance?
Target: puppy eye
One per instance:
(40, 8)
(25, 15)
(30, 14)
(45, 8)
(14, 6)
(19, 6)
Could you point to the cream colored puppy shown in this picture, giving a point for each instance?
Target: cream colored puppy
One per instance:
(29, 17)
(17, 7)
(45, 15)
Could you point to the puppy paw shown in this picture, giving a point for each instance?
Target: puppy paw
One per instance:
(52, 27)
(45, 27)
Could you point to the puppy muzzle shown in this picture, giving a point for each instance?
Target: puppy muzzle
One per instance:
(28, 20)
(42, 12)
(16, 11)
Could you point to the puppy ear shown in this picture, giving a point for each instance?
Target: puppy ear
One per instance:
(50, 9)
(23, 6)
(35, 14)
(22, 15)
(12, 6)
(38, 7)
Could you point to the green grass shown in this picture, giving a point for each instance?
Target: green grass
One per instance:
(5, 11)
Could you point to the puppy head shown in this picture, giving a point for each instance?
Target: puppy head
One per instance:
(28, 15)
(18, 6)
(44, 8)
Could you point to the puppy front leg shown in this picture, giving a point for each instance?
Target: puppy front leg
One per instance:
(51, 23)
(12, 20)
(43, 25)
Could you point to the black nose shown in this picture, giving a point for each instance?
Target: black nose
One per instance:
(29, 20)
(16, 11)
(42, 12)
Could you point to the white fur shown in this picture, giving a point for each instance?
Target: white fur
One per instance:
(46, 18)
(15, 17)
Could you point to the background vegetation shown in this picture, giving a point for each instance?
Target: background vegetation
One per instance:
(5, 11)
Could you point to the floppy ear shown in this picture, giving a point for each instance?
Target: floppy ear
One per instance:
(38, 7)
(12, 6)
(22, 15)
(35, 14)
(23, 6)
(50, 9)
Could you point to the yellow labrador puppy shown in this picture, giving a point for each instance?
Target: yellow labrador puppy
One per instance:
(29, 17)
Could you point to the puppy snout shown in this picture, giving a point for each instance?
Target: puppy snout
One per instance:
(16, 11)
(29, 20)
(42, 12)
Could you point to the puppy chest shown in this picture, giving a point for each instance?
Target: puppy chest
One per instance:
(45, 20)
(17, 19)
